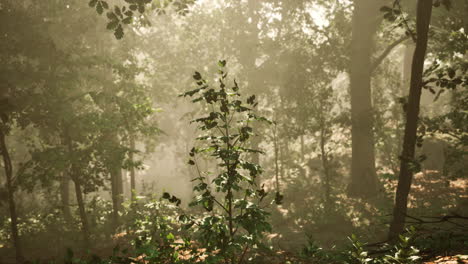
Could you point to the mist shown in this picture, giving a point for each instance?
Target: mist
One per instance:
(233, 131)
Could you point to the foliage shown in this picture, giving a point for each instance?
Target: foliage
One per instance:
(311, 252)
(235, 221)
(152, 225)
(403, 251)
(132, 12)
(66, 80)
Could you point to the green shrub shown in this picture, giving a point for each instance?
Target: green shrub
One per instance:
(234, 221)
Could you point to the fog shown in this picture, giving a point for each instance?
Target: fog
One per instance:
(233, 131)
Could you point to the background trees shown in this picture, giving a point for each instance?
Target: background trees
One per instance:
(94, 131)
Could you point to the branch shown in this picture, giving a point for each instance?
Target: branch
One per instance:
(243, 254)
(387, 51)
(405, 22)
(445, 218)
(222, 206)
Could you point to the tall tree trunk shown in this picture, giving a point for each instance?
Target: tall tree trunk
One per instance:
(74, 175)
(115, 171)
(81, 208)
(281, 150)
(405, 82)
(116, 183)
(301, 138)
(276, 150)
(465, 20)
(132, 171)
(11, 202)
(423, 18)
(248, 55)
(65, 196)
(326, 169)
(365, 21)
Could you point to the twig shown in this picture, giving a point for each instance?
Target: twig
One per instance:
(243, 254)
(445, 218)
(410, 32)
(387, 51)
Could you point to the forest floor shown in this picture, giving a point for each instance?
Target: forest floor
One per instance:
(432, 198)
(449, 260)
(432, 191)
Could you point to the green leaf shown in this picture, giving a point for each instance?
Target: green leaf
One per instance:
(128, 13)
(278, 198)
(170, 236)
(105, 5)
(119, 33)
(141, 8)
(451, 73)
(197, 76)
(112, 25)
(112, 16)
(92, 3)
(222, 63)
(251, 100)
(118, 12)
(386, 9)
(192, 152)
(99, 8)
(127, 20)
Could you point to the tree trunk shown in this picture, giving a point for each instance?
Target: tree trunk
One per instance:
(248, 55)
(116, 188)
(132, 171)
(65, 196)
(11, 202)
(405, 82)
(423, 17)
(74, 174)
(326, 170)
(276, 150)
(465, 20)
(281, 154)
(301, 138)
(366, 17)
(81, 208)
(115, 171)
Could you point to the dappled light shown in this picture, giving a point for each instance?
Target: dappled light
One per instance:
(233, 131)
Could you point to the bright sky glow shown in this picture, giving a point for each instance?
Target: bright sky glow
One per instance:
(318, 15)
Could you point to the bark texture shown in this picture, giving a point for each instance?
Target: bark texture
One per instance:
(65, 196)
(74, 174)
(117, 194)
(366, 18)
(81, 208)
(423, 18)
(11, 202)
(132, 171)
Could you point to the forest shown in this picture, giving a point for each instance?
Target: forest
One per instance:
(233, 131)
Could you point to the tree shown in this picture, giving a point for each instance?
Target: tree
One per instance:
(236, 221)
(17, 77)
(408, 162)
(366, 19)
(10, 189)
(52, 91)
